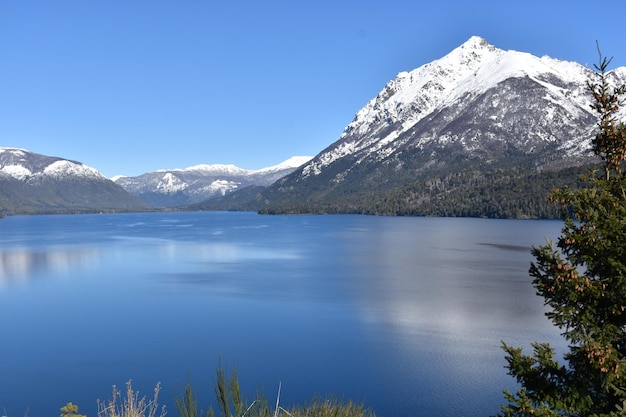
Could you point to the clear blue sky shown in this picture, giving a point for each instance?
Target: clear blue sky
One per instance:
(131, 86)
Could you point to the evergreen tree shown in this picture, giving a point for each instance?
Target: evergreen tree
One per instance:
(583, 280)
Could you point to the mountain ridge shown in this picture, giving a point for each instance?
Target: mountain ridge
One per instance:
(185, 186)
(476, 109)
(441, 139)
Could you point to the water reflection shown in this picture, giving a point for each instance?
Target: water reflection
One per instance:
(22, 264)
(459, 283)
(439, 296)
(398, 312)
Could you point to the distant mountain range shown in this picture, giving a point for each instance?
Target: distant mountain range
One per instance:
(178, 187)
(480, 132)
(31, 183)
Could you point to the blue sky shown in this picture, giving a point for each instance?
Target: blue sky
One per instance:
(132, 86)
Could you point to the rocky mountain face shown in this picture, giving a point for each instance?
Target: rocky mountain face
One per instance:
(178, 187)
(31, 183)
(479, 112)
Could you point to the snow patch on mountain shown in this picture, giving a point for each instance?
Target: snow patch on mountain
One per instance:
(16, 171)
(170, 183)
(291, 163)
(221, 187)
(226, 169)
(68, 168)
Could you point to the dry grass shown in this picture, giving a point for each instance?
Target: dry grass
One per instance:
(130, 405)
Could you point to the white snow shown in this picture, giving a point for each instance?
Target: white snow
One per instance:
(170, 184)
(68, 168)
(325, 159)
(293, 162)
(222, 186)
(229, 169)
(233, 170)
(16, 171)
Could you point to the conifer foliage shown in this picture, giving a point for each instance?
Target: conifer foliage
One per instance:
(583, 281)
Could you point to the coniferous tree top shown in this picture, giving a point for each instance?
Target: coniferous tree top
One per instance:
(610, 140)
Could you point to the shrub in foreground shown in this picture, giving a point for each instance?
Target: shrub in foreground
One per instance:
(130, 405)
(231, 403)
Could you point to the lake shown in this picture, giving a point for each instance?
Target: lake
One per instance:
(404, 314)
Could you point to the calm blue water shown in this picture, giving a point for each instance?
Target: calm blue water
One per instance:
(403, 314)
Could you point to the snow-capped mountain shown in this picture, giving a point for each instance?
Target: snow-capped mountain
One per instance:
(28, 166)
(177, 187)
(35, 183)
(508, 87)
(477, 107)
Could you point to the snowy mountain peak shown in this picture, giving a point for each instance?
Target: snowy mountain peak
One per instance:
(229, 169)
(472, 51)
(476, 42)
(25, 165)
(291, 163)
(419, 91)
(14, 151)
(477, 114)
(464, 74)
